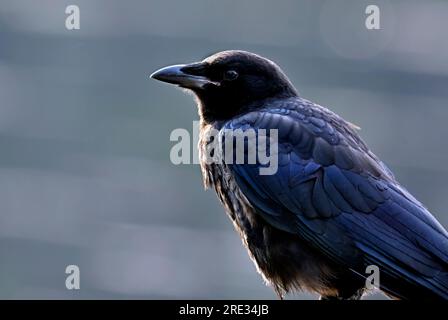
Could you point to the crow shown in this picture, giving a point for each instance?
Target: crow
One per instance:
(332, 209)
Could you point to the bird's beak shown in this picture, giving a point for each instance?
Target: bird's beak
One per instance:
(178, 74)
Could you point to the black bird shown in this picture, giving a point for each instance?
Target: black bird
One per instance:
(332, 208)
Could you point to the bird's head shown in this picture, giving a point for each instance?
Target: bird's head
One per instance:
(229, 82)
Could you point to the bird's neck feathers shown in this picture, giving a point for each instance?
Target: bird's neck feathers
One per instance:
(220, 109)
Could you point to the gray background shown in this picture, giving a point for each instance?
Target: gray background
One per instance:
(85, 176)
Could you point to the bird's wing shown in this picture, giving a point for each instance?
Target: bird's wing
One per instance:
(335, 194)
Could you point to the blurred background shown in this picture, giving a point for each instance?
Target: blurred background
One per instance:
(85, 175)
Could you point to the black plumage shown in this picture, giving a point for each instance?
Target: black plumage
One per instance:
(332, 208)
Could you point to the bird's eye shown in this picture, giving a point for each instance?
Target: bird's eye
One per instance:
(230, 75)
